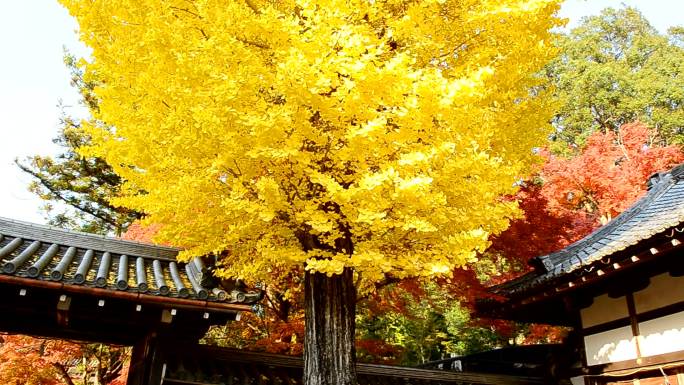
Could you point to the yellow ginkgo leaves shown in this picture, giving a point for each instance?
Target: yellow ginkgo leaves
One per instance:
(377, 135)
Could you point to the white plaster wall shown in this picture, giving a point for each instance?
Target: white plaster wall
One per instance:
(662, 335)
(662, 291)
(610, 346)
(604, 309)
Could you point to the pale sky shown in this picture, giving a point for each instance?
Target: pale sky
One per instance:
(33, 79)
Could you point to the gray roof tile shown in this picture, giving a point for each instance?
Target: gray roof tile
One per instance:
(45, 253)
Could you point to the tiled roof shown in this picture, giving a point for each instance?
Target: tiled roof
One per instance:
(662, 208)
(43, 253)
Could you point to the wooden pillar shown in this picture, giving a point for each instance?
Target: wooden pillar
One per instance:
(147, 361)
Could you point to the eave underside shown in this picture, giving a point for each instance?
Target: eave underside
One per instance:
(557, 301)
(49, 313)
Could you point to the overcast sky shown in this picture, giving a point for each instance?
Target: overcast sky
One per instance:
(33, 81)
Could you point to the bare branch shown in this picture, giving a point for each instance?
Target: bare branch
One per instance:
(253, 43)
(253, 6)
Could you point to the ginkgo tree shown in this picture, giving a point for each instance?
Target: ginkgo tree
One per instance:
(360, 139)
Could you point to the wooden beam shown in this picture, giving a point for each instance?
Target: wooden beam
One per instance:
(63, 306)
(674, 359)
(252, 364)
(634, 323)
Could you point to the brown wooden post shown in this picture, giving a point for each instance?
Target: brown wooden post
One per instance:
(147, 362)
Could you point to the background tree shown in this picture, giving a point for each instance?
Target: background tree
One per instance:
(616, 68)
(571, 196)
(412, 322)
(34, 361)
(28, 360)
(77, 188)
(609, 174)
(352, 139)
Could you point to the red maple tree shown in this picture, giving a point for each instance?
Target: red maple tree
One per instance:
(609, 174)
(572, 196)
(26, 360)
(34, 361)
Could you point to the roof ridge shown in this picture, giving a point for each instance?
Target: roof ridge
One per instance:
(45, 233)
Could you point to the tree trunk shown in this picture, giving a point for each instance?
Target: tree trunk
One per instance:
(330, 308)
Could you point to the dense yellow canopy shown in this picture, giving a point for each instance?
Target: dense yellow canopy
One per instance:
(373, 134)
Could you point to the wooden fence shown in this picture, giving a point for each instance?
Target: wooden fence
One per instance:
(206, 365)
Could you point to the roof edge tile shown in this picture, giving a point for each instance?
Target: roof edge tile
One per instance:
(16, 228)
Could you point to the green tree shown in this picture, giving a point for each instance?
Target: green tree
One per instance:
(614, 69)
(77, 188)
(413, 322)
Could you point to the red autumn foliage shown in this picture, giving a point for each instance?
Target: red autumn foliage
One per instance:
(465, 285)
(34, 361)
(377, 351)
(543, 334)
(395, 297)
(610, 173)
(540, 231)
(122, 378)
(283, 337)
(575, 195)
(139, 233)
(28, 360)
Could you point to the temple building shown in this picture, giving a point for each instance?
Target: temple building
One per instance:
(65, 284)
(621, 289)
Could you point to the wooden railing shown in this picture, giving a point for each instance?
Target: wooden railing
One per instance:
(205, 365)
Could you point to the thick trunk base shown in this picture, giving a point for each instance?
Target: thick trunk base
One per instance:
(330, 306)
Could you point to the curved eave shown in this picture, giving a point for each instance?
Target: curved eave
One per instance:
(42, 256)
(138, 298)
(660, 211)
(556, 299)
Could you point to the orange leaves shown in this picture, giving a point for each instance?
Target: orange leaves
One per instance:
(396, 297)
(377, 351)
(575, 195)
(284, 338)
(544, 334)
(609, 174)
(35, 361)
(28, 360)
(140, 233)
(543, 230)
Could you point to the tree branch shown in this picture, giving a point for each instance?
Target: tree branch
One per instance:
(63, 373)
(253, 6)
(252, 43)
(45, 183)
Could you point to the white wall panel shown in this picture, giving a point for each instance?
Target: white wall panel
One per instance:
(610, 346)
(662, 335)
